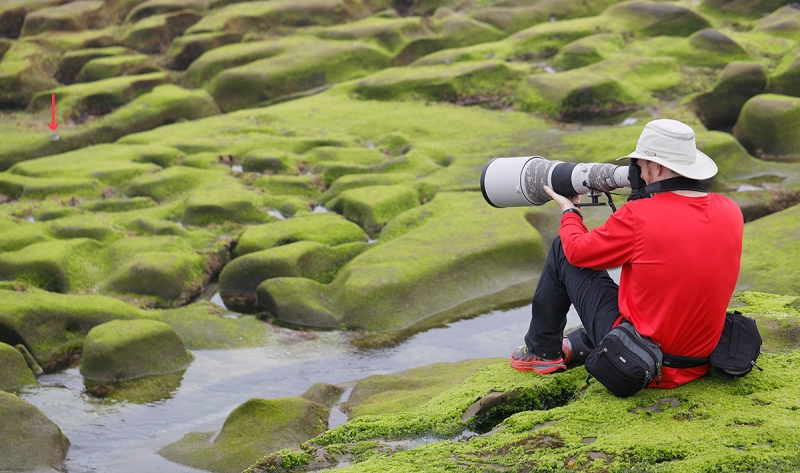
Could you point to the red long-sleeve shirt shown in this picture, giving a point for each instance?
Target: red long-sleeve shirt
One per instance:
(680, 261)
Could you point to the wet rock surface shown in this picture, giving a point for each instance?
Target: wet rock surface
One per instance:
(29, 440)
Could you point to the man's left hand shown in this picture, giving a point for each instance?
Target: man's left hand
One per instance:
(563, 202)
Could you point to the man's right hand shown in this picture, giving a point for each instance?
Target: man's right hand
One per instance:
(563, 202)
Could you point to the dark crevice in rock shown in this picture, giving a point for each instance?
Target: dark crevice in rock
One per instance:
(485, 414)
(403, 7)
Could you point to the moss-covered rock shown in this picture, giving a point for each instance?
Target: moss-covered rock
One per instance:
(254, 429)
(13, 239)
(216, 60)
(406, 390)
(118, 204)
(429, 259)
(306, 186)
(128, 349)
(148, 8)
(390, 33)
(115, 66)
(784, 21)
(768, 126)
(170, 182)
(23, 187)
(323, 393)
(20, 80)
(372, 207)
(72, 62)
(719, 108)
(757, 8)
(97, 98)
(56, 265)
(656, 19)
(154, 33)
(588, 50)
(786, 80)
(708, 47)
(770, 247)
(304, 67)
(266, 16)
(270, 160)
(221, 201)
(239, 280)
(28, 439)
(84, 226)
(451, 32)
(328, 229)
(512, 16)
(448, 83)
(185, 49)
(75, 16)
(16, 372)
(353, 181)
(578, 94)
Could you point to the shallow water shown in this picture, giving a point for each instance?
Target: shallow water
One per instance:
(125, 437)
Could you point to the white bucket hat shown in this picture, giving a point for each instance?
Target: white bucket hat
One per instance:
(671, 144)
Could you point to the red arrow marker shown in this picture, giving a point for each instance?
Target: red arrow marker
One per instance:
(53, 125)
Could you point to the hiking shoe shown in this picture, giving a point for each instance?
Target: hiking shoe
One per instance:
(566, 350)
(522, 360)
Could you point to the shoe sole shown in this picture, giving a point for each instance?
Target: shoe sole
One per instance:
(539, 367)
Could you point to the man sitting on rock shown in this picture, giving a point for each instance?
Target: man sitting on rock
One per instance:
(679, 252)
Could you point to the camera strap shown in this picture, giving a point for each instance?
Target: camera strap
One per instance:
(640, 190)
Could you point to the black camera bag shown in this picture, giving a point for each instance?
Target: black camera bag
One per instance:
(736, 352)
(625, 361)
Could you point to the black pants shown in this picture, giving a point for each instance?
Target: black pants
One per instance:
(594, 295)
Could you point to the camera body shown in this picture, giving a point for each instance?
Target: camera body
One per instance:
(520, 181)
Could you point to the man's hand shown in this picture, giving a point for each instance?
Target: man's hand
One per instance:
(562, 201)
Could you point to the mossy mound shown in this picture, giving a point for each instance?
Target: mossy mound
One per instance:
(28, 439)
(170, 182)
(429, 260)
(98, 98)
(756, 8)
(267, 16)
(148, 8)
(75, 16)
(389, 33)
(656, 19)
(56, 265)
(154, 33)
(451, 32)
(270, 160)
(786, 80)
(406, 390)
(23, 187)
(512, 16)
(306, 186)
(256, 428)
(372, 207)
(353, 181)
(305, 259)
(447, 83)
(115, 66)
(185, 49)
(127, 349)
(223, 201)
(16, 372)
(217, 60)
(708, 47)
(784, 22)
(302, 68)
(770, 247)
(84, 226)
(328, 229)
(588, 50)
(578, 94)
(739, 81)
(768, 126)
(20, 80)
(71, 63)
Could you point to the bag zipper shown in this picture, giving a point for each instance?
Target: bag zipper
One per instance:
(641, 344)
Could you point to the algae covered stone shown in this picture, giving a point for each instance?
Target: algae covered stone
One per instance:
(15, 372)
(127, 349)
(739, 81)
(256, 428)
(769, 254)
(28, 439)
(372, 207)
(329, 229)
(768, 125)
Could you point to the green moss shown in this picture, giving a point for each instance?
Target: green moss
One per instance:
(56, 265)
(270, 160)
(406, 390)
(786, 77)
(328, 229)
(306, 186)
(23, 187)
(767, 125)
(707, 47)
(418, 273)
(170, 182)
(353, 181)
(302, 68)
(15, 373)
(655, 19)
(118, 205)
(389, 33)
(221, 201)
(307, 259)
(152, 34)
(372, 207)
(114, 66)
(13, 239)
(517, 15)
(769, 249)
(203, 325)
(588, 50)
(28, 439)
(143, 390)
(256, 428)
(184, 50)
(452, 31)
(72, 62)
(97, 98)
(128, 349)
(68, 17)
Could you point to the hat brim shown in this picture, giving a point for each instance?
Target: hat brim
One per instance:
(702, 169)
